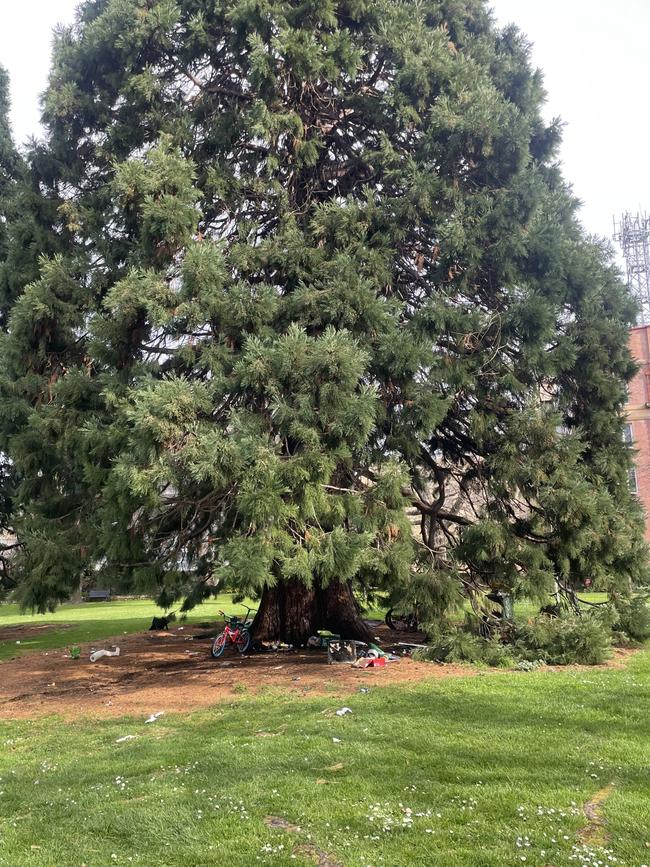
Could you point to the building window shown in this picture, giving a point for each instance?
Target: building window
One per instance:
(631, 478)
(628, 438)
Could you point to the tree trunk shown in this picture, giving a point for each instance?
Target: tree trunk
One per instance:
(291, 612)
(287, 612)
(340, 612)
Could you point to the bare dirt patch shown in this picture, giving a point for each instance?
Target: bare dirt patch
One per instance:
(306, 850)
(595, 832)
(318, 856)
(174, 672)
(281, 824)
(18, 632)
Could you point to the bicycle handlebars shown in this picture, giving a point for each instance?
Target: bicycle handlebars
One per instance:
(236, 616)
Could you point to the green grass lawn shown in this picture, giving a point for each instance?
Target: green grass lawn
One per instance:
(95, 621)
(486, 770)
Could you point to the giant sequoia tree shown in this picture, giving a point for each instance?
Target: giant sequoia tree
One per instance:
(9, 170)
(310, 266)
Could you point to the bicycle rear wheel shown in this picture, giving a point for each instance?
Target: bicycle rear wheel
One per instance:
(243, 641)
(218, 645)
(401, 622)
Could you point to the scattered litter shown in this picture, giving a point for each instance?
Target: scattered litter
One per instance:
(370, 662)
(343, 711)
(154, 716)
(277, 667)
(407, 644)
(364, 690)
(336, 740)
(341, 650)
(99, 653)
(126, 738)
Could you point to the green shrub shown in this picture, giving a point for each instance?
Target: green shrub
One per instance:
(564, 640)
(527, 665)
(634, 618)
(460, 645)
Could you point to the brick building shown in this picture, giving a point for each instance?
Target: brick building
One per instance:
(637, 410)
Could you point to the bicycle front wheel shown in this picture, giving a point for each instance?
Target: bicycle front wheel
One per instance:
(219, 645)
(243, 641)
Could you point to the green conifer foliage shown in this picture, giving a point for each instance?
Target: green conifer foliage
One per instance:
(314, 264)
(8, 171)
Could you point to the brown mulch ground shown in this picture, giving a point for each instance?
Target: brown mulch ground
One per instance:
(174, 672)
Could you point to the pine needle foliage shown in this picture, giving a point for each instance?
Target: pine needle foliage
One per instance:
(309, 265)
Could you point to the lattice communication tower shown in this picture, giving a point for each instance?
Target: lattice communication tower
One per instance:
(633, 234)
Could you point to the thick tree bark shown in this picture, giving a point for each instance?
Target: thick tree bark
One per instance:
(291, 612)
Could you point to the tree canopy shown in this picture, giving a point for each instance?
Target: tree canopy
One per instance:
(296, 269)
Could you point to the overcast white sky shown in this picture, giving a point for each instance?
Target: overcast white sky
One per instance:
(594, 54)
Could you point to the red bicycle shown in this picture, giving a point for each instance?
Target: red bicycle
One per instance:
(237, 632)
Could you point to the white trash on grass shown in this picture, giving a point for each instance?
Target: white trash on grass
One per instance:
(99, 653)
